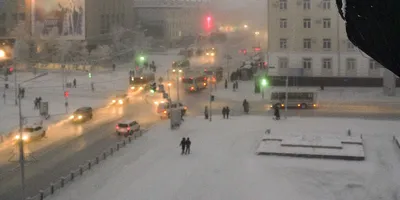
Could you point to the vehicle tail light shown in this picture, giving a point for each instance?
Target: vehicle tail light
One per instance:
(191, 88)
(129, 128)
(204, 84)
(185, 108)
(116, 127)
(298, 105)
(315, 105)
(165, 112)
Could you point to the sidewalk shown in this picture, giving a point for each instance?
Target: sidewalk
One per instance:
(331, 95)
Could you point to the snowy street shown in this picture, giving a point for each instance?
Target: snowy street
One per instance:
(223, 164)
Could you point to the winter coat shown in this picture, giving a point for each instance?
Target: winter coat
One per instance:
(188, 143)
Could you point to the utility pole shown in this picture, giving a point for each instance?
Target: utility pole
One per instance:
(21, 147)
(286, 94)
(16, 57)
(268, 32)
(177, 84)
(210, 94)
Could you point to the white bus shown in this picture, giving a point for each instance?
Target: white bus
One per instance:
(296, 99)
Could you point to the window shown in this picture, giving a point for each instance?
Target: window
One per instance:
(350, 46)
(307, 43)
(306, 4)
(283, 23)
(283, 4)
(326, 44)
(326, 4)
(373, 65)
(283, 62)
(307, 63)
(307, 23)
(326, 23)
(283, 43)
(350, 64)
(327, 63)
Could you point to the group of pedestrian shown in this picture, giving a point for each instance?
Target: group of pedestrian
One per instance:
(225, 112)
(185, 145)
(37, 102)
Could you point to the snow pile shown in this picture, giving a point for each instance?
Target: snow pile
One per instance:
(223, 164)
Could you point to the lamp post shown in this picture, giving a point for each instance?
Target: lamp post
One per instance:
(177, 84)
(21, 141)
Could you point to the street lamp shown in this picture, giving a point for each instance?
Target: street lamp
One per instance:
(245, 26)
(21, 141)
(2, 53)
(177, 84)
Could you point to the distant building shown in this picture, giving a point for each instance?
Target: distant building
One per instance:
(170, 21)
(310, 36)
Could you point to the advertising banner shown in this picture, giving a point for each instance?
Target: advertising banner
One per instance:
(64, 19)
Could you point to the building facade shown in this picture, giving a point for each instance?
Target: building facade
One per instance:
(171, 21)
(308, 38)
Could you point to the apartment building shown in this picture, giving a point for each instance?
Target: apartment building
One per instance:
(308, 38)
(11, 12)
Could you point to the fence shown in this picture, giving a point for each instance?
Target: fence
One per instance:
(89, 165)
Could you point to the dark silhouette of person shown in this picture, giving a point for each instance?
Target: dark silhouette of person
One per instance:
(205, 112)
(183, 145)
(224, 112)
(227, 112)
(188, 143)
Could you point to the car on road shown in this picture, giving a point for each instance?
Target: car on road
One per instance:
(163, 108)
(120, 99)
(127, 127)
(30, 132)
(82, 114)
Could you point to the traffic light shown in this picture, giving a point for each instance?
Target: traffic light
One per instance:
(90, 75)
(264, 82)
(66, 94)
(141, 58)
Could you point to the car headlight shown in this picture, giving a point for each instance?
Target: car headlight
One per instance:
(17, 137)
(113, 101)
(120, 102)
(156, 102)
(80, 117)
(141, 88)
(25, 137)
(71, 117)
(173, 70)
(212, 54)
(207, 54)
(132, 88)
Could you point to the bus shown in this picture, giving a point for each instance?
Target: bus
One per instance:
(215, 72)
(296, 99)
(194, 83)
(141, 82)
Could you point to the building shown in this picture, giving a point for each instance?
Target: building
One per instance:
(12, 12)
(171, 21)
(308, 38)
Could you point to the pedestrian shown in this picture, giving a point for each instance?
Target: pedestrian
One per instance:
(182, 114)
(224, 112)
(276, 112)
(237, 85)
(234, 86)
(188, 143)
(113, 67)
(226, 84)
(246, 106)
(22, 92)
(35, 103)
(183, 145)
(205, 112)
(74, 83)
(227, 112)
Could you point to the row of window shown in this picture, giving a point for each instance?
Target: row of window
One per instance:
(307, 44)
(3, 17)
(351, 64)
(326, 22)
(325, 4)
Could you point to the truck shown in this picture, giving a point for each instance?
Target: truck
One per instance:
(142, 81)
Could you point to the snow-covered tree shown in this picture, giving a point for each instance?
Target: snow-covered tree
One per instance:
(100, 56)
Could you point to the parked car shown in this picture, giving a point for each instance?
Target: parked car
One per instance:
(31, 132)
(128, 127)
(82, 114)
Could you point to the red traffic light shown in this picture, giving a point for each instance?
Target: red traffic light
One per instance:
(66, 94)
(257, 49)
(11, 69)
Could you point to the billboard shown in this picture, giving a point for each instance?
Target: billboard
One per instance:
(59, 18)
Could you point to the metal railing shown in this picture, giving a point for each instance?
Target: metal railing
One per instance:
(89, 165)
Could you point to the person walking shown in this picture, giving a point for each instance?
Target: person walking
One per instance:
(205, 112)
(224, 112)
(183, 145)
(188, 143)
(227, 112)
(74, 83)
